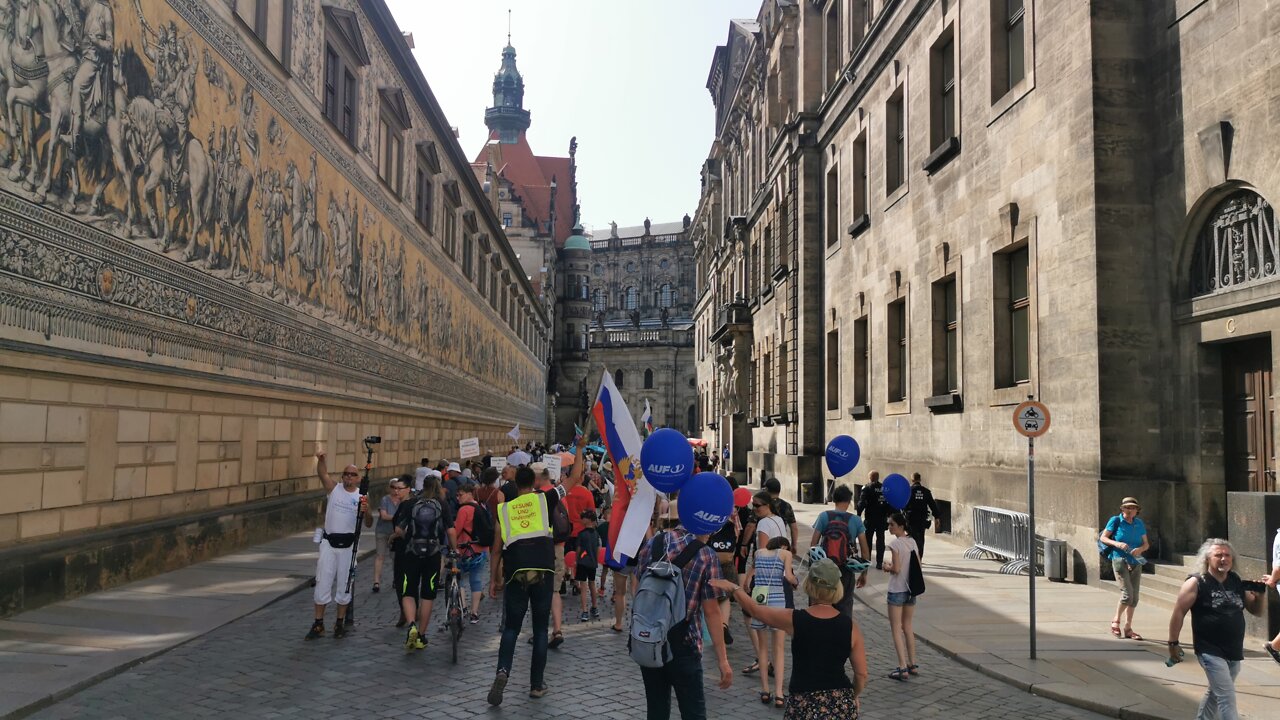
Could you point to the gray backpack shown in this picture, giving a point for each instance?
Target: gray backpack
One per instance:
(658, 610)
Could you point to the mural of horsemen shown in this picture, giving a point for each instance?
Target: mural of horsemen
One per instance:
(119, 115)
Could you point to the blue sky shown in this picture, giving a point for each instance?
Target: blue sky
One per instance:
(627, 77)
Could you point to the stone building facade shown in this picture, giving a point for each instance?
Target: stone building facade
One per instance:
(994, 201)
(265, 241)
(641, 291)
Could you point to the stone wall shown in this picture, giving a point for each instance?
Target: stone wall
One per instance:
(218, 281)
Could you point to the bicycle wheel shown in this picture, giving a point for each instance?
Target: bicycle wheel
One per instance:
(455, 615)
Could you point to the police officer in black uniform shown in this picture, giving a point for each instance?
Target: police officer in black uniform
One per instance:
(875, 513)
(919, 508)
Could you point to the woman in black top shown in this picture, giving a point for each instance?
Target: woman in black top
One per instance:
(823, 640)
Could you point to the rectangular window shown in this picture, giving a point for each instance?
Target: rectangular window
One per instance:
(859, 174)
(1008, 45)
(423, 201)
(897, 348)
(450, 239)
(946, 338)
(833, 206)
(783, 379)
(834, 54)
(340, 98)
(467, 252)
(1019, 315)
(861, 362)
(390, 153)
(833, 370)
(770, 261)
(271, 22)
(506, 219)
(1012, 303)
(895, 149)
(942, 90)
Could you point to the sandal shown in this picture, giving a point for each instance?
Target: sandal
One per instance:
(557, 639)
(615, 628)
(1115, 628)
(780, 702)
(752, 668)
(913, 669)
(1129, 634)
(766, 698)
(899, 674)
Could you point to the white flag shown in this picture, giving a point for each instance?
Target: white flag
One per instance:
(514, 433)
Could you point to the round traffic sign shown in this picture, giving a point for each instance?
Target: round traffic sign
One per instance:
(1031, 419)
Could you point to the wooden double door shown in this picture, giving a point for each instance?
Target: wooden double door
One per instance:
(1248, 408)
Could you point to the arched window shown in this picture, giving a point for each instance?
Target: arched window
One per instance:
(666, 296)
(618, 378)
(631, 298)
(648, 379)
(1237, 246)
(599, 300)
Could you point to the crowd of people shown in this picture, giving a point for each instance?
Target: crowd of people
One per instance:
(533, 537)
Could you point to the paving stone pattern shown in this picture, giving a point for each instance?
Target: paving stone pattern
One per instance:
(260, 667)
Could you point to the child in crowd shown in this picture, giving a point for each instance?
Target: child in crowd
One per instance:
(588, 562)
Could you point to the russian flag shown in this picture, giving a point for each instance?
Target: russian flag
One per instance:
(646, 420)
(633, 497)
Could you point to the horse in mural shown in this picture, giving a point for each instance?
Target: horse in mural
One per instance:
(176, 172)
(41, 68)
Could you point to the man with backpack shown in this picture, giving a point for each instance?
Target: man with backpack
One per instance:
(423, 528)
(474, 526)
(587, 550)
(523, 562)
(672, 597)
(835, 531)
(561, 532)
(875, 511)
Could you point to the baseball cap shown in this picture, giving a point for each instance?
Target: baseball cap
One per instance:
(825, 573)
(453, 467)
(538, 468)
(435, 474)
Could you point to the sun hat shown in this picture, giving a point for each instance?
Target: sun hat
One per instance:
(454, 467)
(1130, 501)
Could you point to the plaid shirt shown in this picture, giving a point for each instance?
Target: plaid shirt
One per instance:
(698, 574)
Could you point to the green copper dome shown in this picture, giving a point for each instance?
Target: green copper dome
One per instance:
(577, 241)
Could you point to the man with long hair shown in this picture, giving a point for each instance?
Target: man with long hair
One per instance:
(1217, 598)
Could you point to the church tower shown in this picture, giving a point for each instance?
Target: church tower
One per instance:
(507, 118)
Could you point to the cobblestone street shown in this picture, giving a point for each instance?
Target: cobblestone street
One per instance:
(259, 667)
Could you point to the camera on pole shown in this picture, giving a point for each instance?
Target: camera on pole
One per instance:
(369, 442)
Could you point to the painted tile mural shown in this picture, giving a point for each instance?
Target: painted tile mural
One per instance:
(131, 118)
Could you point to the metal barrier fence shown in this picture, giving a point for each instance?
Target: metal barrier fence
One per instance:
(1003, 534)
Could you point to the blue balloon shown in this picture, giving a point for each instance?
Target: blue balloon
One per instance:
(842, 455)
(705, 503)
(667, 459)
(897, 491)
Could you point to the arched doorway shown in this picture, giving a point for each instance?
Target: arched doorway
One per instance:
(1236, 254)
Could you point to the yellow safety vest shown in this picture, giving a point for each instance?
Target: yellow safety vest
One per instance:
(525, 518)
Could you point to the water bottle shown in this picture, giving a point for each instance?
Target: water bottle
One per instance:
(318, 536)
(1170, 662)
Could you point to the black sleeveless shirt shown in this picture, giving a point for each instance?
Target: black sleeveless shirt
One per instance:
(819, 653)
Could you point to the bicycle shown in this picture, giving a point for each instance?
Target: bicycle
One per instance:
(453, 603)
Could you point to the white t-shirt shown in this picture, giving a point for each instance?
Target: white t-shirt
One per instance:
(772, 527)
(1275, 551)
(420, 477)
(340, 513)
(902, 547)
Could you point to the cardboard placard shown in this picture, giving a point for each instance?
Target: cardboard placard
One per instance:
(469, 447)
(552, 461)
(498, 462)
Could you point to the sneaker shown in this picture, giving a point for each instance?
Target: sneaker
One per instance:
(412, 641)
(537, 692)
(595, 613)
(495, 690)
(474, 618)
(339, 630)
(584, 617)
(317, 630)
(1275, 654)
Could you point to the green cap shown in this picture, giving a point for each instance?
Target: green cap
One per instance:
(825, 573)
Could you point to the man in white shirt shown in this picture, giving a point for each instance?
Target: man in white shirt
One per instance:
(420, 474)
(343, 505)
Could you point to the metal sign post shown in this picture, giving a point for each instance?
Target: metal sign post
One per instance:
(1031, 420)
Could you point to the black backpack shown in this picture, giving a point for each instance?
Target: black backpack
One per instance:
(915, 576)
(561, 528)
(425, 519)
(481, 525)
